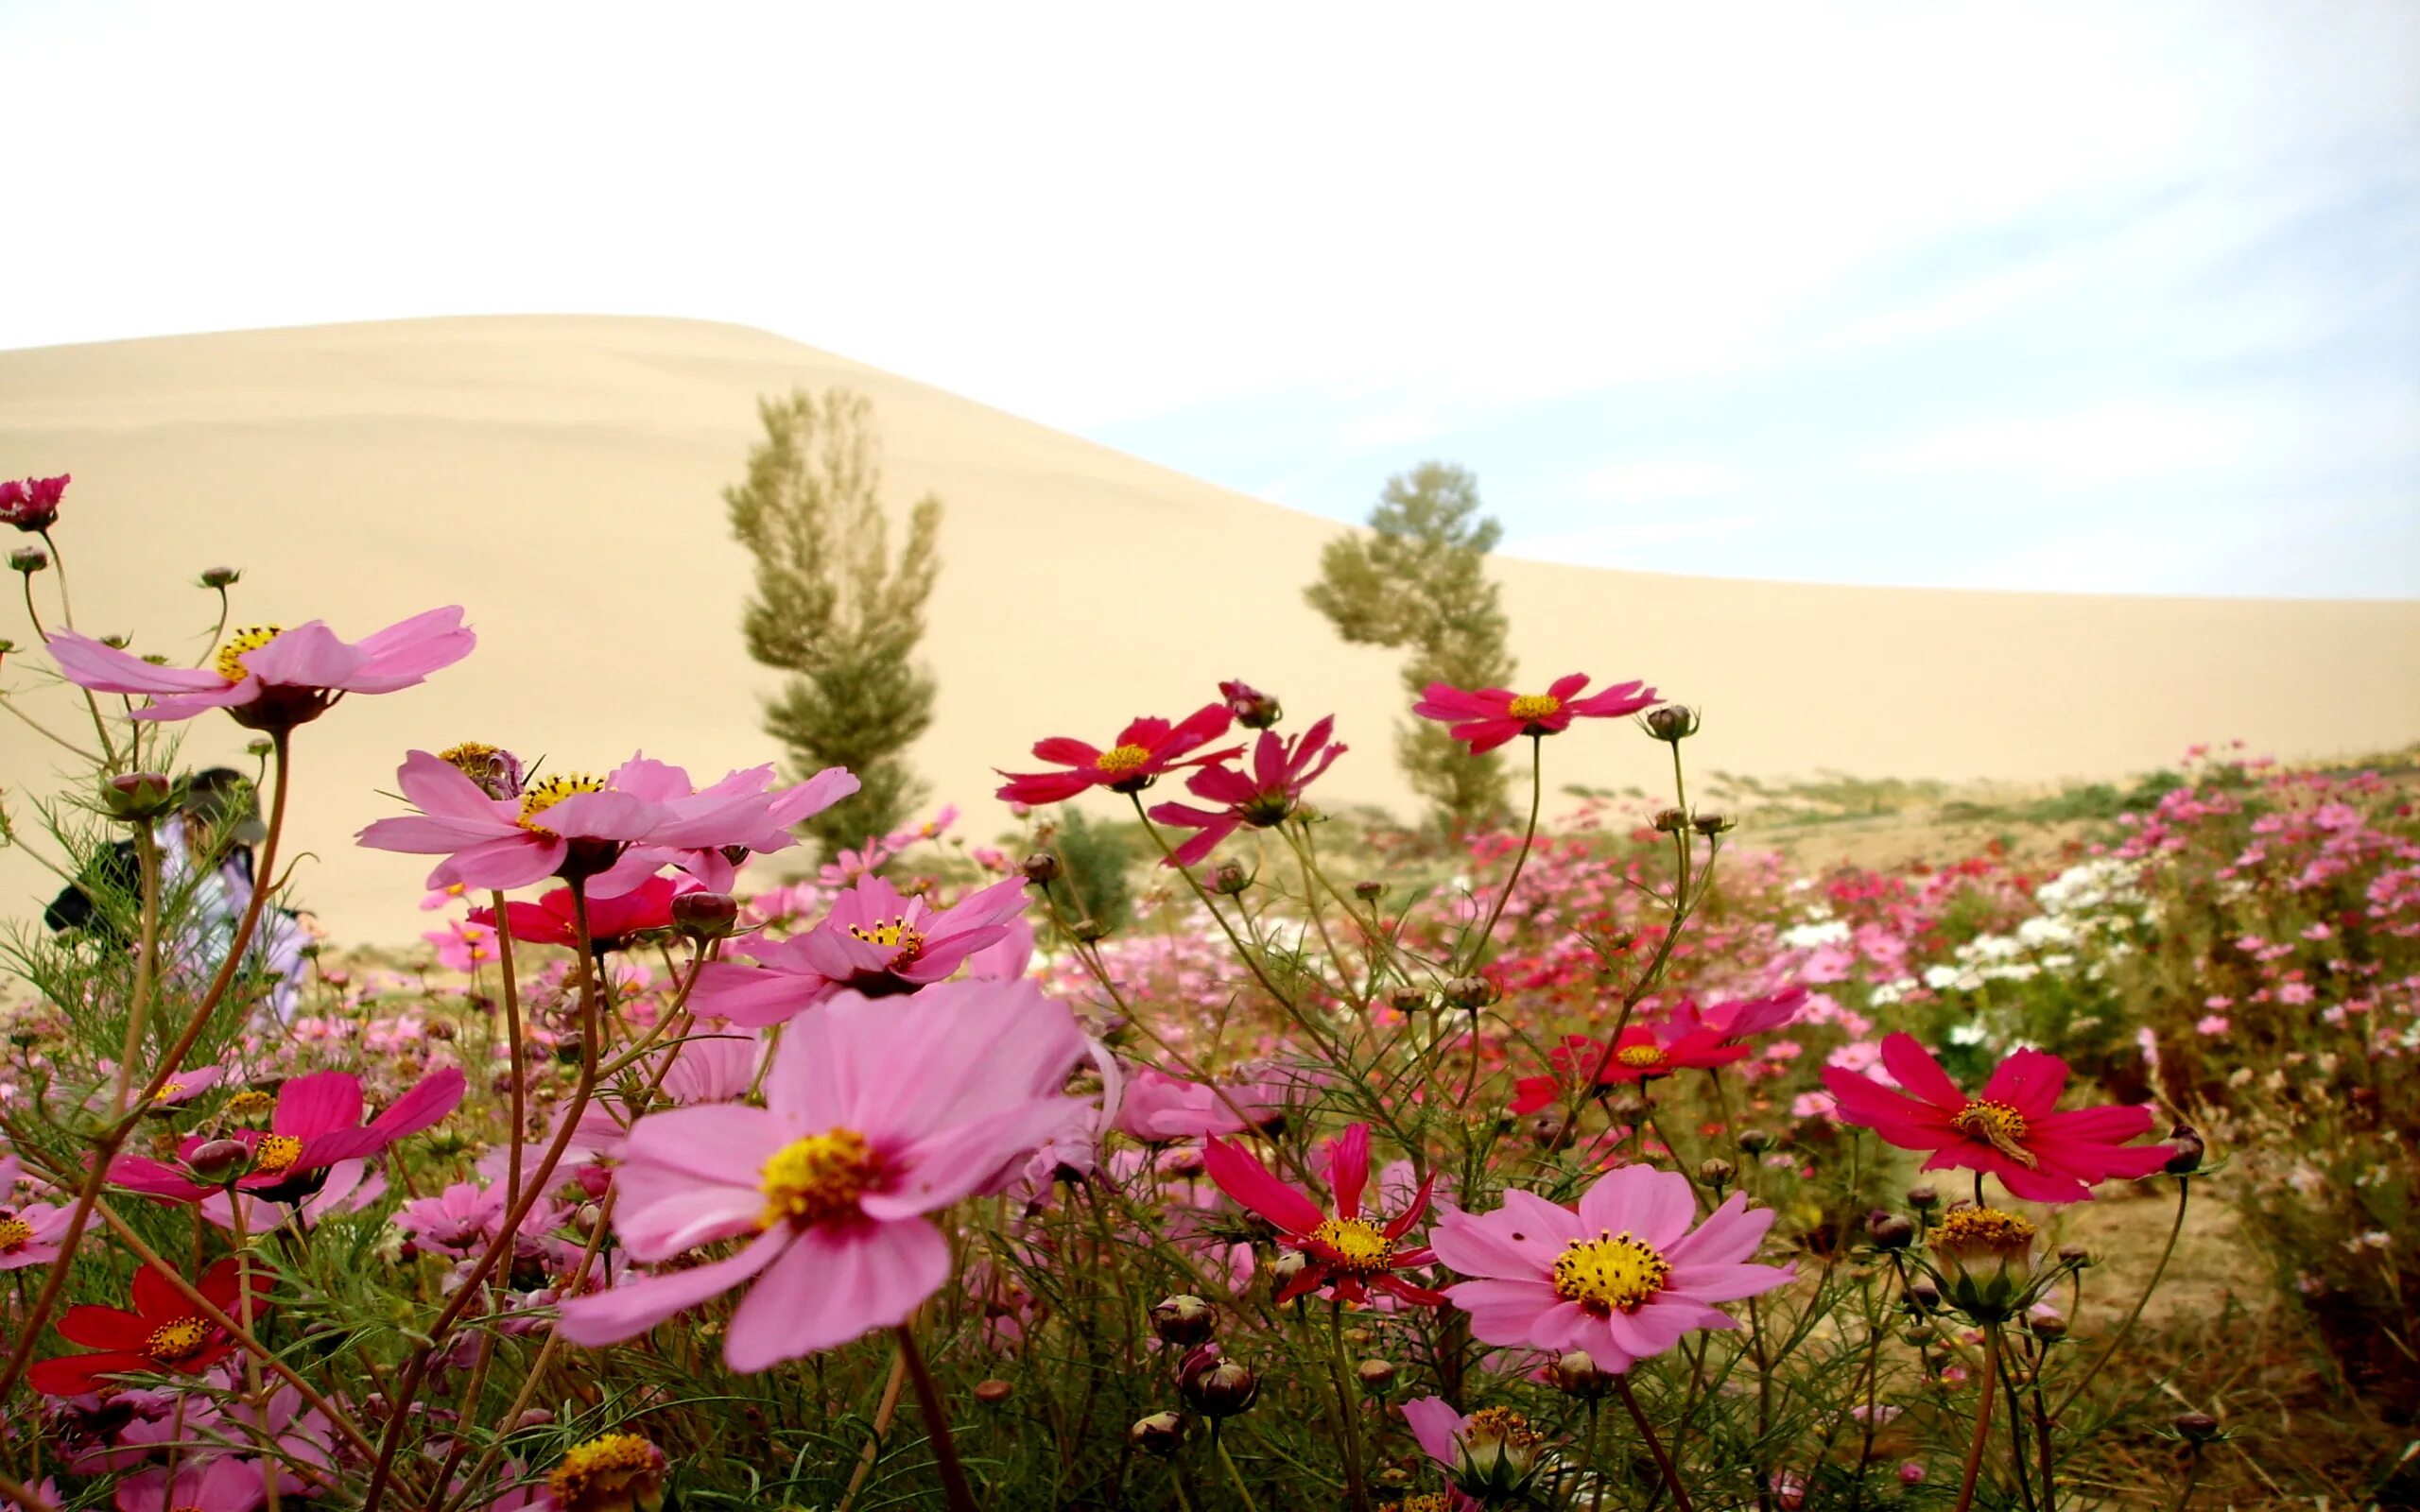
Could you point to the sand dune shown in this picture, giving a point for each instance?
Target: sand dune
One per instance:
(560, 476)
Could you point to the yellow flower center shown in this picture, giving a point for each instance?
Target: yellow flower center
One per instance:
(1610, 1273)
(249, 1103)
(1999, 1125)
(1982, 1231)
(1640, 1058)
(1500, 1425)
(180, 1340)
(815, 1179)
(275, 1153)
(545, 795)
(169, 1091)
(1119, 760)
(1533, 706)
(472, 757)
(15, 1234)
(892, 931)
(1359, 1247)
(230, 661)
(599, 1473)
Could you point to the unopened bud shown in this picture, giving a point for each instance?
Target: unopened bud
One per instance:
(1218, 1387)
(1888, 1231)
(1088, 931)
(1672, 821)
(1716, 1172)
(2196, 1427)
(1672, 723)
(1042, 868)
(2047, 1327)
(1924, 1199)
(1471, 993)
(704, 916)
(1712, 824)
(2185, 1141)
(1229, 878)
(570, 1049)
(219, 1159)
(2075, 1256)
(1283, 1269)
(1253, 709)
(1756, 1141)
(1369, 892)
(993, 1392)
(28, 560)
(137, 795)
(1183, 1320)
(1407, 1000)
(260, 748)
(1576, 1373)
(1159, 1434)
(1923, 1294)
(1377, 1377)
(587, 1217)
(219, 576)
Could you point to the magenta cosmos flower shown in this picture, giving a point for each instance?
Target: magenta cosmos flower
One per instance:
(317, 1123)
(1261, 798)
(613, 921)
(1623, 1278)
(570, 825)
(29, 1235)
(877, 942)
(31, 504)
(205, 1482)
(270, 678)
(1143, 750)
(875, 1115)
(1488, 717)
(2013, 1131)
(1347, 1253)
(707, 830)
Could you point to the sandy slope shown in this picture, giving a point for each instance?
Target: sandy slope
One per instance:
(559, 477)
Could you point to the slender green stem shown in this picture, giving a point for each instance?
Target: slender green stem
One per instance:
(2117, 1340)
(1654, 1445)
(1529, 839)
(1220, 1445)
(1983, 1419)
(928, 1401)
(1355, 1490)
(2192, 1475)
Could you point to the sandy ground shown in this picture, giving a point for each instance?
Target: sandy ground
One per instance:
(561, 477)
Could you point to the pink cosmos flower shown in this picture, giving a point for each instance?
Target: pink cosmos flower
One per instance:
(1736, 1018)
(2014, 1130)
(47, 1493)
(877, 942)
(31, 504)
(1623, 1278)
(613, 920)
(494, 843)
(707, 830)
(464, 945)
(317, 1123)
(1262, 798)
(29, 1235)
(204, 1483)
(1158, 1106)
(876, 1115)
(1346, 1254)
(454, 1219)
(1488, 717)
(270, 678)
(1143, 750)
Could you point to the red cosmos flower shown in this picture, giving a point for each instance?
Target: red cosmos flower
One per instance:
(2013, 1131)
(31, 504)
(611, 921)
(163, 1333)
(1262, 798)
(1144, 749)
(1347, 1253)
(1490, 716)
(317, 1123)
(1639, 1053)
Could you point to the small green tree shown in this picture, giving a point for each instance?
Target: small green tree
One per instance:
(1418, 579)
(832, 608)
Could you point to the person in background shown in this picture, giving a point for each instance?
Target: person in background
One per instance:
(206, 856)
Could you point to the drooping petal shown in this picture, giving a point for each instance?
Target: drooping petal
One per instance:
(1240, 1176)
(631, 1309)
(834, 1284)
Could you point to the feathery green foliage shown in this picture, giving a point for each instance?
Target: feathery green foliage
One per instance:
(1418, 581)
(832, 608)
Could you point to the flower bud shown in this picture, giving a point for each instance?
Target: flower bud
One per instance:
(2196, 1427)
(1042, 868)
(1709, 823)
(1756, 1141)
(1088, 931)
(1284, 1268)
(1369, 892)
(1229, 878)
(220, 577)
(1183, 1320)
(28, 560)
(1672, 821)
(993, 1392)
(704, 916)
(138, 795)
(1407, 1000)
(1888, 1231)
(1253, 709)
(260, 748)
(1986, 1259)
(1216, 1386)
(1159, 1434)
(1471, 993)
(219, 1159)
(1576, 1373)
(1716, 1172)
(1377, 1377)
(2185, 1141)
(1924, 1199)
(2075, 1256)
(1672, 723)
(570, 1049)
(2047, 1327)
(1923, 1295)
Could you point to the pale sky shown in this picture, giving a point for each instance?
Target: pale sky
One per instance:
(2109, 297)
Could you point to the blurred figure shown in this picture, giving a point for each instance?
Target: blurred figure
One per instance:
(206, 859)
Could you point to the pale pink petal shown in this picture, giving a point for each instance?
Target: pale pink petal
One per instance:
(834, 1285)
(661, 1213)
(1652, 1206)
(1730, 1232)
(307, 656)
(1506, 1311)
(88, 664)
(941, 1169)
(636, 1306)
(723, 1142)
(1435, 1424)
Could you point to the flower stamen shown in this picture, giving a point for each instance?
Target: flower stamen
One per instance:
(545, 795)
(1355, 1246)
(1119, 760)
(180, 1340)
(1999, 1125)
(1610, 1273)
(818, 1177)
(1533, 706)
(229, 663)
(275, 1153)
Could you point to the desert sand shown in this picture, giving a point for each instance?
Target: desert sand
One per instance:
(560, 478)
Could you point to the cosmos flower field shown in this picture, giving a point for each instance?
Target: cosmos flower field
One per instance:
(1596, 1161)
